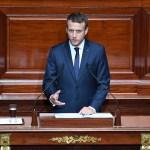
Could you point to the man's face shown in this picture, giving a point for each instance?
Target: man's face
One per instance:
(76, 32)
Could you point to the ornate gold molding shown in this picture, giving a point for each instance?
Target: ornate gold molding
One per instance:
(4, 147)
(75, 139)
(5, 141)
(145, 141)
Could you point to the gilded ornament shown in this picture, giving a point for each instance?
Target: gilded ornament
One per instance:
(75, 139)
(145, 141)
(5, 141)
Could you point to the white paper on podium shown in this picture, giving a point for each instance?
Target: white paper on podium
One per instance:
(11, 121)
(77, 115)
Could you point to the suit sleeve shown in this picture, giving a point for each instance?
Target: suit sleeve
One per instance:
(50, 75)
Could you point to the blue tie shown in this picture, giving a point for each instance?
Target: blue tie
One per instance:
(76, 62)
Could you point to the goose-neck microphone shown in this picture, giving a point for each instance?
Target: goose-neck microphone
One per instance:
(59, 74)
(117, 113)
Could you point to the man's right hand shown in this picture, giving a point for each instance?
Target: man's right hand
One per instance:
(54, 99)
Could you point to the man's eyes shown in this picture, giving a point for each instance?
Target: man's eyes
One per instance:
(77, 31)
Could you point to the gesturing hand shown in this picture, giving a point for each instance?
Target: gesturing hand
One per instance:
(54, 99)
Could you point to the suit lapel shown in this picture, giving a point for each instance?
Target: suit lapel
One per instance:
(69, 59)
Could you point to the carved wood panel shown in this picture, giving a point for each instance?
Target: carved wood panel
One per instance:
(29, 28)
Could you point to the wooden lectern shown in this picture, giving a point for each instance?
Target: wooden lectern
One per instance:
(48, 120)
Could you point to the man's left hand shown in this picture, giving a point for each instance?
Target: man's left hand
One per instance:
(87, 111)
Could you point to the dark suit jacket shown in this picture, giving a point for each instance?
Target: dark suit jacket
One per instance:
(85, 91)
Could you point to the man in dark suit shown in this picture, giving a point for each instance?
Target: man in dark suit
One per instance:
(76, 90)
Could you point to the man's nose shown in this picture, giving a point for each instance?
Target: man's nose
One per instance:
(74, 34)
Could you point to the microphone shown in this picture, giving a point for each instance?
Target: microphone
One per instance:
(60, 72)
(117, 113)
(34, 121)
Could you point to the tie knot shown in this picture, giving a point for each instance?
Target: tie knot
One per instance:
(76, 49)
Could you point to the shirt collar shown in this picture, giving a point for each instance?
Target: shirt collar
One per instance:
(81, 46)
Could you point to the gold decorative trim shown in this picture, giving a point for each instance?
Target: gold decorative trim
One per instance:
(5, 141)
(145, 141)
(75, 139)
(5, 147)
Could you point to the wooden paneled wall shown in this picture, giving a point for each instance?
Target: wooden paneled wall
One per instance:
(28, 28)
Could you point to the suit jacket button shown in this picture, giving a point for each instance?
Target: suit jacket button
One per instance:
(77, 87)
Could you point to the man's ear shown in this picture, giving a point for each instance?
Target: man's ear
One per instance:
(66, 30)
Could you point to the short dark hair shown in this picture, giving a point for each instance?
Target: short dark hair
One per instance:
(78, 17)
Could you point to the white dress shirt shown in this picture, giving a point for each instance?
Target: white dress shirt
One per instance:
(73, 52)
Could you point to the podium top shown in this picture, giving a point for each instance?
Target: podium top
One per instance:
(75, 120)
(77, 115)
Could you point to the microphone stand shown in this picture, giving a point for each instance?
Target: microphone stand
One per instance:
(117, 120)
(34, 121)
